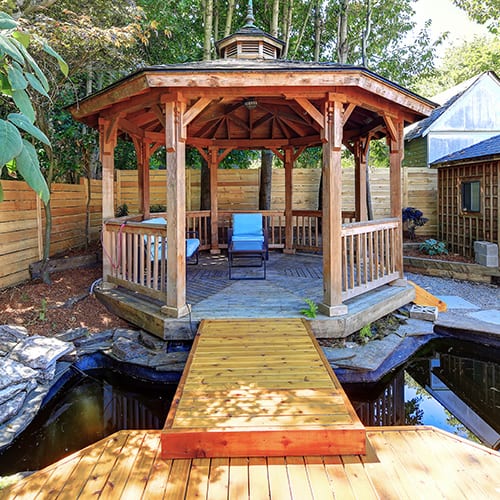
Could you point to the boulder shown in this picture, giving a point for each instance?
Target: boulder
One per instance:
(11, 407)
(40, 352)
(12, 373)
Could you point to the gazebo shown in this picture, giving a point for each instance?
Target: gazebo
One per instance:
(251, 99)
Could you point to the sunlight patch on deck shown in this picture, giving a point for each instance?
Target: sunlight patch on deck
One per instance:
(261, 388)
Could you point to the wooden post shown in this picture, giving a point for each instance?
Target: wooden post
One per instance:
(332, 211)
(176, 210)
(396, 158)
(143, 153)
(288, 201)
(107, 141)
(360, 166)
(213, 166)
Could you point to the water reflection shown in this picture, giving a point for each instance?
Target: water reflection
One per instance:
(453, 385)
(86, 410)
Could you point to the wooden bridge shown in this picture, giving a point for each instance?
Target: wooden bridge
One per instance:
(259, 387)
(260, 415)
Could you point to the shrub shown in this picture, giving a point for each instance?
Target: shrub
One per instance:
(433, 247)
(157, 208)
(413, 218)
(121, 211)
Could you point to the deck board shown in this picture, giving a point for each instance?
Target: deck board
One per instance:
(386, 471)
(255, 406)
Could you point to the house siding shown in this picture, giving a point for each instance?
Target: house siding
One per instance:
(415, 153)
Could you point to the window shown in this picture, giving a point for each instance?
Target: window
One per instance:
(471, 196)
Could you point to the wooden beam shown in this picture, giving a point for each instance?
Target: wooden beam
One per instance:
(391, 127)
(348, 111)
(176, 210)
(289, 159)
(196, 109)
(131, 129)
(395, 160)
(156, 109)
(108, 138)
(311, 110)
(332, 211)
(213, 165)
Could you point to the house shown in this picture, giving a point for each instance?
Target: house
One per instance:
(468, 193)
(469, 113)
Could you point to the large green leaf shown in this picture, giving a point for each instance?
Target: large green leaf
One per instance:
(23, 102)
(6, 22)
(62, 63)
(34, 65)
(22, 37)
(23, 123)
(8, 47)
(16, 77)
(11, 142)
(29, 168)
(5, 85)
(36, 84)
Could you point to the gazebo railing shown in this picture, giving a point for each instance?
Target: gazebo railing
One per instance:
(368, 248)
(369, 255)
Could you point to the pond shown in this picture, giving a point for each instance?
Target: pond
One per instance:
(453, 385)
(89, 407)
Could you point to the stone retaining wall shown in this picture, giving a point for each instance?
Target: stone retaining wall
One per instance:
(447, 269)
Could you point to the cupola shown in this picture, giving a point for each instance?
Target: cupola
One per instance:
(250, 42)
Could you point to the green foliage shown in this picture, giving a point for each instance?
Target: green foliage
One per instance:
(433, 247)
(413, 218)
(413, 413)
(42, 313)
(121, 210)
(157, 208)
(461, 62)
(365, 334)
(482, 11)
(20, 75)
(311, 310)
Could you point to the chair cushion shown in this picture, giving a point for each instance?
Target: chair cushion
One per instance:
(246, 225)
(192, 244)
(157, 220)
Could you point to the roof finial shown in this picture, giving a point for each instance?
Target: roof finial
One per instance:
(249, 21)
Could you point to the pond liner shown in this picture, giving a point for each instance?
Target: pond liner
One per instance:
(100, 360)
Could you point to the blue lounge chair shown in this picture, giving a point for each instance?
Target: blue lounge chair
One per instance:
(192, 243)
(247, 239)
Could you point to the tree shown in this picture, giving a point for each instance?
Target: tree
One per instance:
(461, 62)
(20, 75)
(482, 11)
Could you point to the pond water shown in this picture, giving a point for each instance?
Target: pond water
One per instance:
(88, 408)
(453, 385)
(450, 384)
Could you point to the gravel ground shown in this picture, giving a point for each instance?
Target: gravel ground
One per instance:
(479, 294)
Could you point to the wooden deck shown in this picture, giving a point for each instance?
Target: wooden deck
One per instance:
(290, 280)
(402, 463)
(259, 387)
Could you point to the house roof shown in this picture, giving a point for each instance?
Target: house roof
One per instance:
(446, 99)
(488, 148)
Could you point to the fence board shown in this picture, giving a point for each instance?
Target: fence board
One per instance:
(237, 189)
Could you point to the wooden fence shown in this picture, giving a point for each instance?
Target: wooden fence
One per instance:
(22, 218)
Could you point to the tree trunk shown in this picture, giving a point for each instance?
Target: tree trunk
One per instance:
(318, 25)
(366, 33)
(342, 31)
(275, 18)
(207, 34)
(204, 185)
(229, 18)
(287, 26)
(266, 176)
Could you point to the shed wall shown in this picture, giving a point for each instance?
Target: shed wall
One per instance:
(457, 227)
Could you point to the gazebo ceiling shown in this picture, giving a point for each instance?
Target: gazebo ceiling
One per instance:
(252, 105)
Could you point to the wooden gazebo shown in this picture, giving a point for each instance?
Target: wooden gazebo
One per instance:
(250, 99)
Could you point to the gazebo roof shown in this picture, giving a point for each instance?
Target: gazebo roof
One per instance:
(289, 95)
